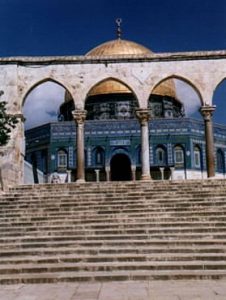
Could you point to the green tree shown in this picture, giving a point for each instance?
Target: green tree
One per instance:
(7, 123)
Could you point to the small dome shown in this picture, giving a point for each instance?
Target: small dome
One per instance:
(119, 47)
(109, 86)
(166, 88)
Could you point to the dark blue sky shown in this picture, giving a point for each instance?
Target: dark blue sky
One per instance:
(70, 27)
(73, 27)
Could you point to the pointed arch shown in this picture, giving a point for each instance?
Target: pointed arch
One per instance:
(38, 83)
(220, 161)
(181, 78)
(161, 154)
(179, 155)
(218, 84)
(197, 156)
(99, 155)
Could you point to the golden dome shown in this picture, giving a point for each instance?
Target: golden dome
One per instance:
(110, 86)
(119, 47)
(166, 88)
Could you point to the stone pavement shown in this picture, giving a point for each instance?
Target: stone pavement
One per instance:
(128, 290)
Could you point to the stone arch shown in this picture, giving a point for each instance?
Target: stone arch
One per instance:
(120, 150)
(218, 82)
(185, 80)
(37, 83)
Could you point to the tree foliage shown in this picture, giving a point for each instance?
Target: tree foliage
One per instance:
(7, 123)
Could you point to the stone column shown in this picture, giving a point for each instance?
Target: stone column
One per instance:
(108, 173)
(68, 176)
(207, 112)
(172, 172)
(79, 117)
(97, 172)
(162, 172)
(143, 116)
(133, 172)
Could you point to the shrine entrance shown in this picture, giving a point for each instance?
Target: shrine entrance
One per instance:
(120, 168)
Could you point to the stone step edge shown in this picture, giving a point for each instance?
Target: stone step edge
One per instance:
(111, 276)
(182, 258)
(116, 231)
(116, 226)
(15, 253)
(135, 242)
(128, 237)
(44, 267)
(115, 222)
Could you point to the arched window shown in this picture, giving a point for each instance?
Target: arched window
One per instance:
(197, 157)
(178, 155)
(62, 159)
(160, 155)
(220, 161)
(139, 155)
(99, 156)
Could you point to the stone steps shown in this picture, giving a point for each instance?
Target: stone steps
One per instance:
(136, 242)
(53, 277)
(111, 266)
(136, 203)
(110, 257)
(100, 254)
(113, 231)
(117, 224)
(118, 208)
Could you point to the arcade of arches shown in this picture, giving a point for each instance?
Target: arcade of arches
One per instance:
(122, 97)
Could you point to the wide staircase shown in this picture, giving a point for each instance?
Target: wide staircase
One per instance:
(113, 231)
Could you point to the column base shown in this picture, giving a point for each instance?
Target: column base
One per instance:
(80, 181)
(145, 177)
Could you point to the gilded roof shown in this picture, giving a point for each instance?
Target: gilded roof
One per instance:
(111, 86)
(166, 88)
(119, 47)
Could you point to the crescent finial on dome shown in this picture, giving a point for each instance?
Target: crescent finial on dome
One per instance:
(119, 29)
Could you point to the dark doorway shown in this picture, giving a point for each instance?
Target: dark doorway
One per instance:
(120, 168)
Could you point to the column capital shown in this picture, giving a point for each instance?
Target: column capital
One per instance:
(143, 115)
(79, 116)
(207, 112)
